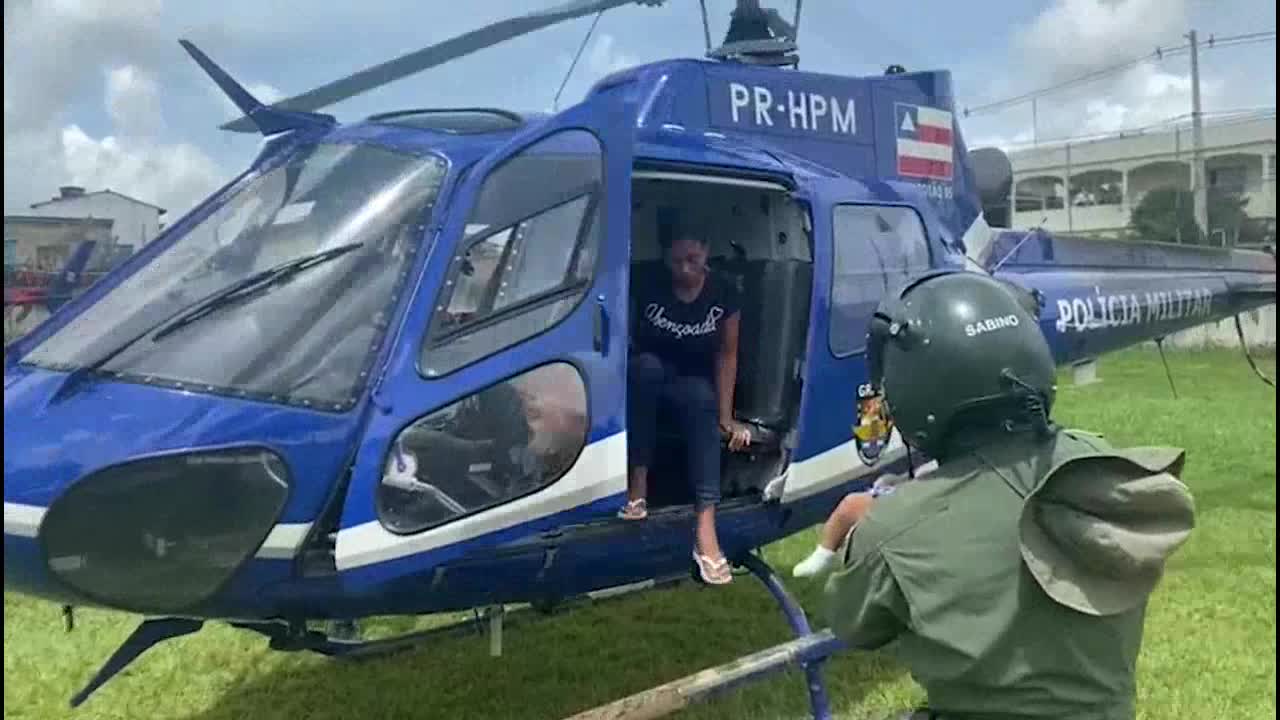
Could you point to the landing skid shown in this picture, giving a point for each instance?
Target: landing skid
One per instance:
(800, 626)
(149, 633)
(808, 650)
(295, 636)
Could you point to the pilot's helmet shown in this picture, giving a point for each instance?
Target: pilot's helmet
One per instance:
(960, 350)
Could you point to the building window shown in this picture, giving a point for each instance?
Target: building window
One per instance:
(1097, 187)
(50, 257)
(502, 443)
(877, 251)
(1040, 193)
(1230, 179)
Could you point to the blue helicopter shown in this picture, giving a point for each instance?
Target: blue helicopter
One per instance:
(357, 380)
(26, 291)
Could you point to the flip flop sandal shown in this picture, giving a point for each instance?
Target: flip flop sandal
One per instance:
(634, 510)
(713, 572)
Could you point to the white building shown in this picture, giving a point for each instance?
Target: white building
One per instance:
(1109, 176)
(1106, 178)
(135, 223)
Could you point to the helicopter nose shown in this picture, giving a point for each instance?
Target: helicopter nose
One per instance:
(152, 535)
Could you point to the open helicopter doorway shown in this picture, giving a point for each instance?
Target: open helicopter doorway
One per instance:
(759, 244)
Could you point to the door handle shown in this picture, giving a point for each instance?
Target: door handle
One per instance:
(600, 325)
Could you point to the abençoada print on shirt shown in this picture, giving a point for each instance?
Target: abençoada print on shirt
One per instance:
(685, 334)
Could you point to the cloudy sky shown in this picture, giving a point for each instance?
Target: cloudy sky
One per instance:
(99, 93)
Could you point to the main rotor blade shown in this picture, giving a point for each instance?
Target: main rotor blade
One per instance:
(433, 55)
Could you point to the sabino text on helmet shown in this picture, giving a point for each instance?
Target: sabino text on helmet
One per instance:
(991, 324)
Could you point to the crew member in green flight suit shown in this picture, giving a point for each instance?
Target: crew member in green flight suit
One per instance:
(1013, 580)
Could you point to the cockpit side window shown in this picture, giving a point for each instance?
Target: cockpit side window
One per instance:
(502, 443)
(527, 255)
(878, 250)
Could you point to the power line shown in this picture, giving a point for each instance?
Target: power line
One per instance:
(1158, 54)
(1265, 34)
(1232, 117)
(1129, 132)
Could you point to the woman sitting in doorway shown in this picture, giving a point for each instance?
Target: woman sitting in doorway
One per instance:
(685, 354)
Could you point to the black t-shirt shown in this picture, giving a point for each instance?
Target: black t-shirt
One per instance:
(686, 336)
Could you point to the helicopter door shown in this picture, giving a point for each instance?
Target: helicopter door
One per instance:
(503, 412)
(872, 250)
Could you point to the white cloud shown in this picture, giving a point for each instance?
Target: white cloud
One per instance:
(133, 160)
(265, 92)
(174, 176)
(1004, 141)
(1073, 37)
(133, 102)
(48, 46)
(605, 58)
(1143, 97)
(104, 11)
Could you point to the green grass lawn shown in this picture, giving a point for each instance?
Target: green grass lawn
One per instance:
(1209, 653)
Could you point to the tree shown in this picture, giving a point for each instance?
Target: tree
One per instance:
(1168, 215)
(1227, 212)
(1165, 215)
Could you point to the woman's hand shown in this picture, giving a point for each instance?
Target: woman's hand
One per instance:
(739, 435)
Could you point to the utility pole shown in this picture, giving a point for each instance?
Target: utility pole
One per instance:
(1197, 137)
(1035, 124)
(1070, 225)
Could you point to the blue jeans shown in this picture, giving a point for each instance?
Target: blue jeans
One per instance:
(693, 403)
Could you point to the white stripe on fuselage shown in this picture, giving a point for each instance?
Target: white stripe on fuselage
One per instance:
(22, 520)
(600, 472)
(283, 542)
(836, 466)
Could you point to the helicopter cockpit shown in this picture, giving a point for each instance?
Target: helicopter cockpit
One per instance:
(310, 255)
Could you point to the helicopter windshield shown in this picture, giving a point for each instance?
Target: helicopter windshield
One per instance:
(307, 339)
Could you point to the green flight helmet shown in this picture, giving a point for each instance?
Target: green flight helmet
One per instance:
(961, 350)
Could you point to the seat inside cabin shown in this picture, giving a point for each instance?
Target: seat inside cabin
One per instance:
(760, 245)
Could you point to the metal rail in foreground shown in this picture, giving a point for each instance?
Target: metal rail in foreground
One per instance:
(808, 650)
(676, 695)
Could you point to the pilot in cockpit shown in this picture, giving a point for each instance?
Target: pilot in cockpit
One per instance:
(504, 442)
(554, 407)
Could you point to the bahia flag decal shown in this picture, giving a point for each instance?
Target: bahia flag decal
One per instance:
(924, 142)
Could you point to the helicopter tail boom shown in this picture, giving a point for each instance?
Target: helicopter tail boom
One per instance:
(1100, 296)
